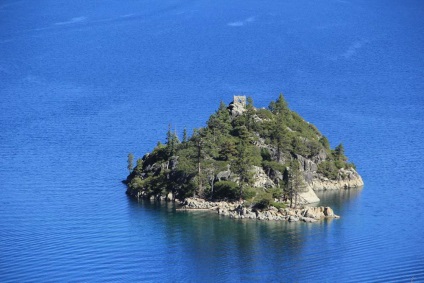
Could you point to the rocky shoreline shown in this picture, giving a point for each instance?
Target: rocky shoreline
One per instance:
(237, 210)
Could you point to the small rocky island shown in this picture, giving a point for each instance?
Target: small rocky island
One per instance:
(247, 162)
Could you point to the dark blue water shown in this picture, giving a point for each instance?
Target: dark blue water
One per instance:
(82, 83)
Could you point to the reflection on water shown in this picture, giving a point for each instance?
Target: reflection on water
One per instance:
(221, 248)
(337, 199)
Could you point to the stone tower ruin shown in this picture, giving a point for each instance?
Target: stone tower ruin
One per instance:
(239, 101)
(238, 106)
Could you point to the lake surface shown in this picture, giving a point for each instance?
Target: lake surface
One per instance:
(83, 83)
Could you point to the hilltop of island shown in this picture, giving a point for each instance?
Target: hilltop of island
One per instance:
(245, 160)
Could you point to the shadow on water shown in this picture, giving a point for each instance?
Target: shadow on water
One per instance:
(339, 200)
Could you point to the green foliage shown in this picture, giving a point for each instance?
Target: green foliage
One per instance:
(130, 162)
(186, 189)
(295, 182)
(280, 136)
(314, 148)
(264, 114)
(220, 122)
(349, 165)
(278, 205)
(159, 154)
(249, 193)
(280, 106)
(339, 152)
(171, 142)
(339, 164)
(299, 146)
(328, 169)
(227, 149)
(247, 156)
(139, 167)
(273, 165)
(187, 161)
(324, 142)
(226, 190)
(265, 154)
(263, 200)
(185, 136)
(136, 183)
(305, 147)
(275, 192)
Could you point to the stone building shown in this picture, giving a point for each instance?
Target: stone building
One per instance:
(238, 106)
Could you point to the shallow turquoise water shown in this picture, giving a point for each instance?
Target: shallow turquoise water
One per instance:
(83, 84)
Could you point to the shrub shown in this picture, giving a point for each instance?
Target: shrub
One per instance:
(264, 114)
(273, 165)
(349, 165)
(325, 143)
(136, 183)
(226, 190)
(275, 192)
(299, 146)
(265, 154)
(248, 193)
(328, 169)
(278, 205)
(263, 200)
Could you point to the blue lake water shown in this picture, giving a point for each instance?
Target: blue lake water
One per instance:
(82, 83)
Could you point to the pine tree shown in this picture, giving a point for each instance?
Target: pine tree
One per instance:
(247, 156)
(220, 121)
(171, 141)
(185, 136)
(242, 167)
(139, 166)
(130, 162)
(279, 106)
(295, 183)
(199, 156)
(249, 113)
(280, 136)
(339, 153)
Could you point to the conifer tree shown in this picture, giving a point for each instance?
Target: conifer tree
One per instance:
(250, 112)
(185, 137)
(280, 135)
(199, 154)
(295, 183)
(339, 153)
(130, 162)
(171, 142)
(242, 167)
(247, 156)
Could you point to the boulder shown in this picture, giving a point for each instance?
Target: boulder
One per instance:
(293, 219)
(224, 175)
(328, 212)
(170, 196)
(273, 208)
(308, 196)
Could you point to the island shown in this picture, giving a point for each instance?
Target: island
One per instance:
(247, 162)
